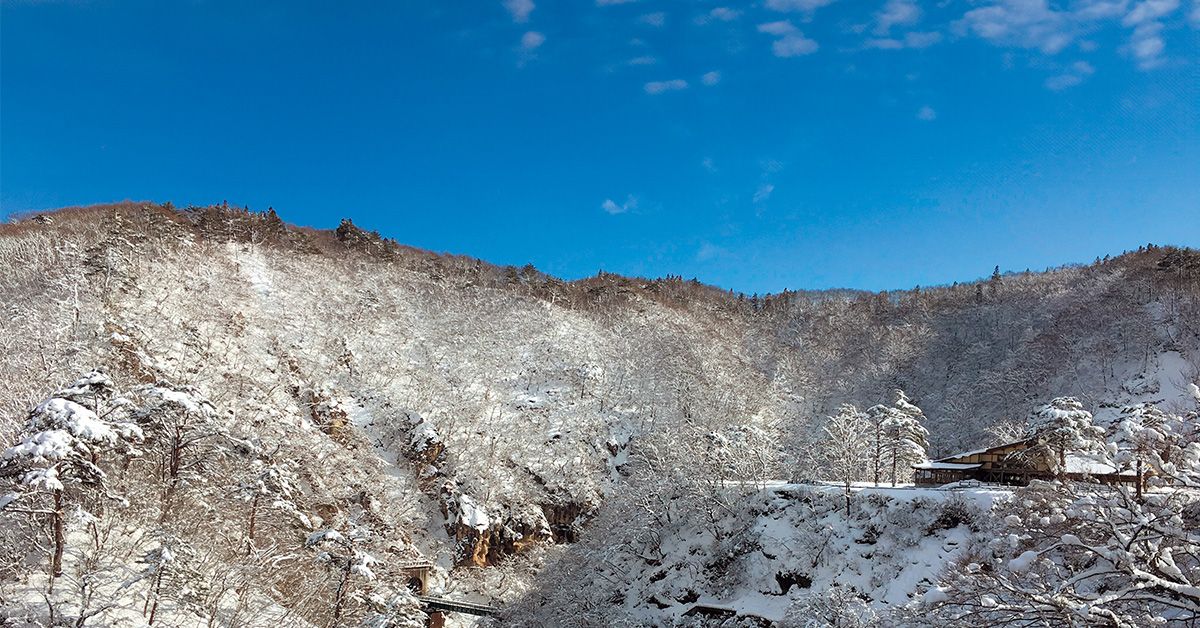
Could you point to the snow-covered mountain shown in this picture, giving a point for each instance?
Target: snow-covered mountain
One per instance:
(431, 407)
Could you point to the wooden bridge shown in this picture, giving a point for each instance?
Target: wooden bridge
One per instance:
(418, 581)
(444, 605)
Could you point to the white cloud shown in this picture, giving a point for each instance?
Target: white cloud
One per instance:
(1146, 45)
(763, 192)
(927, 114)
(1194, 16)
(1063, 81)
(897, 12)
(806, 6)
(656, 19)
(910, 40)
(782, 27)
(658, 87)
(612, 207)
(519, 9)
(709, 164)
(791, 42)
(1149, 10)
(1021, 23)
(711, 78)
(1074, 75)
(708, 251)
(724, 14)
(1100, 9)
(605, 3)
(794, 46)
(532, 40)
(643, 60)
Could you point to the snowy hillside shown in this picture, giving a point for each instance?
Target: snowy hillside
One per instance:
(497, 422)
(777, 554)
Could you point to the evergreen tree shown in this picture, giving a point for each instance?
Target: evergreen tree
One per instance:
(877, 416)
(1061, 426)
(904, 438)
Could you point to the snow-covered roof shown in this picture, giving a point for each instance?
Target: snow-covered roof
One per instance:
(974, 452)
(946, 465)
(1092, 465)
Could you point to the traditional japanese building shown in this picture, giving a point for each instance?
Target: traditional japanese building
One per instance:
(1010, 464)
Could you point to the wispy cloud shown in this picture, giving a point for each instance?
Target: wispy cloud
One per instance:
(659, 87)
(532, 40)
(1021, 23)
(1149, 10)
(897, 13)
(708, 164)
(719, 14)
(612, 207)
(711, 78)
(763, 192)
(796, 6)
(656, 19)
(519, 9)
(1036, 24)
(909, 40)
(1072, 77)
(643, 60)
(605, 3)
(709, 251)
(926, 114)
(1147, 46)
(789, 42)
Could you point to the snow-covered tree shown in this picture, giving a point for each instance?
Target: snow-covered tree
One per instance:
(394, 609)
(181, 429)
(1143, 433)
(346, 560)
(57, 461)
(846, 447)
(269, 486)
(1074, 553)
(839, 607)
(877, 416)
(904, 438)
(1063, 426)
(1006, 431)
(1155, 443)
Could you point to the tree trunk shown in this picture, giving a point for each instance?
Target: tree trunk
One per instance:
(60, 537)
(253, 521)
(341, 595)
(894, 457)
(1139, 479)
(157, 588)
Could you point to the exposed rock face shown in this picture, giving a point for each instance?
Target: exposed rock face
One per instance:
(484, 540)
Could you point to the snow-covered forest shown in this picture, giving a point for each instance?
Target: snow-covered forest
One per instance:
(211, 418)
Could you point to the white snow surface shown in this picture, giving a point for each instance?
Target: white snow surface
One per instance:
(890, 550)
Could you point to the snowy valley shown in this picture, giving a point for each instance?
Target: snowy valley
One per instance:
(212, 418)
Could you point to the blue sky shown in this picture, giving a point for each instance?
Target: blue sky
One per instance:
(756, 146)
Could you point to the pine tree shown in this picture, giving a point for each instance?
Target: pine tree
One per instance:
(1140, 436)
(66, 436)
(994, 283)
(904, 438)
(1061, 426)
(877, 416)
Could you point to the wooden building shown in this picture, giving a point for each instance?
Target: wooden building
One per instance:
(1005, 464)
